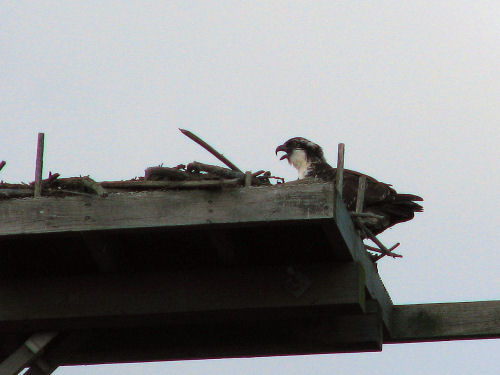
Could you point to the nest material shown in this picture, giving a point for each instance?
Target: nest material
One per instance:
(195, 175)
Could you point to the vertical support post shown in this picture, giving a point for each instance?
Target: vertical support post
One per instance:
(248, 179)
(339, 175)
(39, 165)
(360, 198)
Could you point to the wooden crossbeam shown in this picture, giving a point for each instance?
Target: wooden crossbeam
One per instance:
(445, 321)
(278, 334)
(130, 299)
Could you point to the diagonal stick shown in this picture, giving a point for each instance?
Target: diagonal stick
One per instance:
(210, 149)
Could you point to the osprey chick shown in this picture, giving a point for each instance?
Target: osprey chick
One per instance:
(380, 198)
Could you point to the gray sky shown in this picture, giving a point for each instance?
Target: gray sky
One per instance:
(411, 87)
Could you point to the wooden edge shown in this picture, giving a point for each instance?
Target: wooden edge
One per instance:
(445, 321)
(277, 335)
(354, 244)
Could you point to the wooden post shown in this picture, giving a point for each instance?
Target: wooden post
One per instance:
(39, 165)
(339, 176)
(248, 179)
(2, 164)
(361, 194)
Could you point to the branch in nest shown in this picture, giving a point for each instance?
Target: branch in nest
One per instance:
(196, 166)
(210, 149)
(164, 173)
(145, 185)
(80, 184)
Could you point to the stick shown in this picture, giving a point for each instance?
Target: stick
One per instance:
(391, 254)
(366, 214)
(213, 169)
(371, 236)
(360, 199)
(39, 165)
(210, 149)
(339, 175)
(142, 185)
(376, 249)
(2, 164)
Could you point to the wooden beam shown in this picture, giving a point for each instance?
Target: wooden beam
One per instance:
(27, 353)
(313, 333)
(445, 321)
(353, 243)
(167, 209)
(134, 299)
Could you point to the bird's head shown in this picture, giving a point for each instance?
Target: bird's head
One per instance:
(301, 153)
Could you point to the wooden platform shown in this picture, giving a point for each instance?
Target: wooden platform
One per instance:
(231, 272)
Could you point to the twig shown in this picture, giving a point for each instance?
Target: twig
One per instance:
(376, 249)
(371, 236)
(258, 173)
(210, 149)
(164, 173)
(144, 185)
(79, 184)
(214, 169)
(280, 179)
(39, 166)
(2, 164)
(15, 193)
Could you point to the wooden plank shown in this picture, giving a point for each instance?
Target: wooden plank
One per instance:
(353, 243)
(128, 299)
(278, 335)
(445, 321)
(167, 209)
(26, 353)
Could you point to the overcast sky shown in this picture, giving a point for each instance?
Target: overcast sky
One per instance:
(411, 87)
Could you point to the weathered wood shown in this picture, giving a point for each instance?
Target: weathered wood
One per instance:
(39, 165)
(27, 353)
(339, 174)
(128, 299)
(445, 321)
(355, 246)
(360, 198)
(248, 178)
(276, 335)
(167, 209)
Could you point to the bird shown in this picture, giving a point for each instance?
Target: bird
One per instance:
(387, 206)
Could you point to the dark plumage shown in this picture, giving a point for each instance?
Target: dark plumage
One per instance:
(380, 198)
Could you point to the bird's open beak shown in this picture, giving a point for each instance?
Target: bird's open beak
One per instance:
(282, 148)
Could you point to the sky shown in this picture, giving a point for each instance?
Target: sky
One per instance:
(411, 87)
